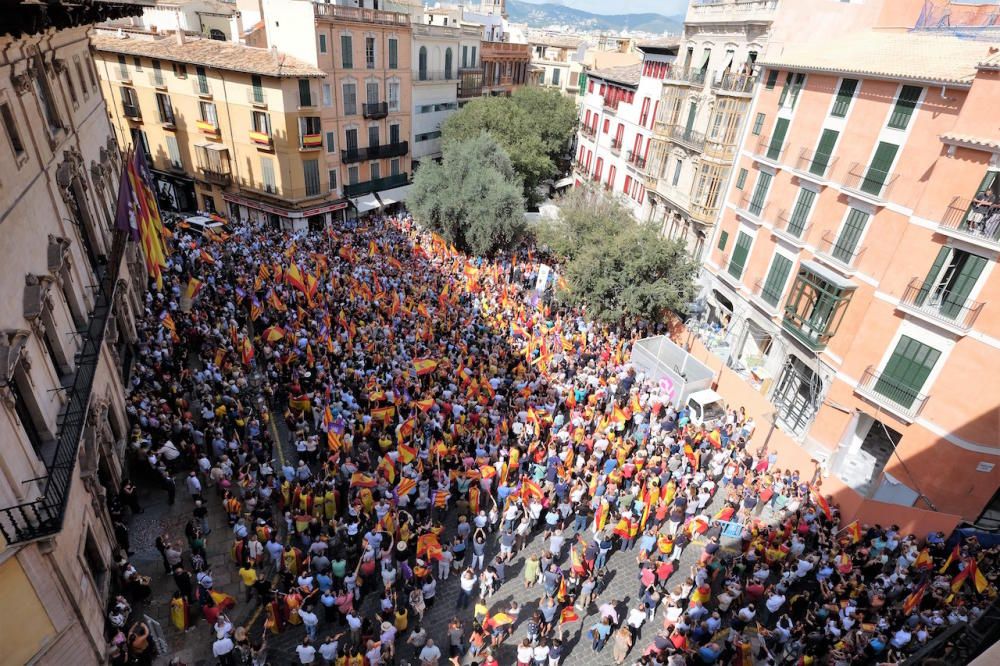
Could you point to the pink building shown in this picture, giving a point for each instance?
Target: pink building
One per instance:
(850, 278)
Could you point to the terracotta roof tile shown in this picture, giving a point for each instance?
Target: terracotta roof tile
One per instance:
(628, 74)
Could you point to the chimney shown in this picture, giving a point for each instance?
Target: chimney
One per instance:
(275, 56)
(180, 30)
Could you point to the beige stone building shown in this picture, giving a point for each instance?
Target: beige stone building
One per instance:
(227, 127)
(70, 294)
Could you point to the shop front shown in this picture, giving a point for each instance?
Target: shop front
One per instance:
(278, 218)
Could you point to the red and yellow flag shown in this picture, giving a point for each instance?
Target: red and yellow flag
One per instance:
(424, 366)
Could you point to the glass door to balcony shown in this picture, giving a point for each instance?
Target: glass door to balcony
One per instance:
(906, 371)
(878, 171)
(950, 281)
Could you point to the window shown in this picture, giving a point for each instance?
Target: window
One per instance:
(10, 126)
(741, 179)
(310, 170)
(776, 277)
(208, 203)
(202, 80)
(72, 88)
(353, 173)
(331, 145)
(95, 563)
(174, 152)
(796, 88)
(371, 92)
(158, 73)
(327, 94)
(422, 64)
(628, 181)
(257, 88)
(350, 99)
(738, 260)
(261, 122)
(180, 70)
(351, 139)
(905, 104)
(906, 371)
(877, 174)
(555, 76)
(772, 78)
(800, 213)
(844, 95)
(346, 52)
(92, 69)
(208, 113)
(165, 109)
(370, 52)
(393, 90)
(789, 77)
(816, 306)
(465, 57)
(137, 63)
(447, 63)
(79, 75)
(758, 124)
(331, 178)
(25, 412)
(373, 136)
(472, 59)
(309, 126)
(394, 133)
(950, 282)
(322, 43)
(130, 103)
(844, 249)
(305, 93)
(723, 239)
(677, 172)
(376, 170)
(394, 167)
(44, 93)
(760, 193)
(824, 152)
(122, 69)
(267, 174)
(776, 145)
(393, 53)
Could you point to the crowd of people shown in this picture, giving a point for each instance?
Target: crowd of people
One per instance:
(450, 423)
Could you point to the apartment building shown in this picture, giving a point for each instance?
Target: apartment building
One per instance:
(70, 291)
(852, 271)
(703, 103)
(617, 114)
(226, 127)
(561, 61)
(366, 57)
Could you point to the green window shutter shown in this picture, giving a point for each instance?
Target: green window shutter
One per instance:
(346, 51)
(784, 89)
(847, 242)
(906, 371)
(824, 151)
(305, 94)
(932, 275)
(803, 205)
(961, 286)
(393, 54)
(723, 238)
(775, 282)
(741, 179)
(758, 124)
(760, 193)
(905, 103)
(844, 96)
(692, 112)
(878, 171)
(777, 139)
(772, 78)
(739, 259)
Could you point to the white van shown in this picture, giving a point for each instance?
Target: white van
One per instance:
(706, 408)
(201, 224)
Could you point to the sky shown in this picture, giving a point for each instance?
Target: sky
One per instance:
(665, 7)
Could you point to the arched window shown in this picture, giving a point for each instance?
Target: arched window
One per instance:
(447, 63)
(422, 64)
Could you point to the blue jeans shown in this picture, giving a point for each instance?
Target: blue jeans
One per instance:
(580, 523)
(602, 559)
(463, 599)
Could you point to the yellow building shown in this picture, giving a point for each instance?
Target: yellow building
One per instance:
(226, 127)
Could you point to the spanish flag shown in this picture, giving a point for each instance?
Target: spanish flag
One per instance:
(387, 469)
(293, 276)
(500, 619)
(424, 405)
(618, 416)
(852, 531)
(206, 257)
(247, 351)
(193, 287)
(912, 601)
(425, 541)
(275, 302)
(407, 454)
(568, 615)
(954, 556)
(362, 480)
(978, 579)
(383, 414)
(300, 403)
(958, 580)
(405, 429)
(531, 489)
(424, 366)
(601, 516)
(924, 560)
(821, 502)
(273, 334)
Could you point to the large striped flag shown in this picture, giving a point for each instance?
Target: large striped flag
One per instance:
(362, 480)
(293, 276)
(852, 531)
(405, 486)
(424, 366)
(407, 454)
(568, 615)
(247, 351)
(913, 600)
(954, 556)
(821, 502)
(138, 215)
(193, 287)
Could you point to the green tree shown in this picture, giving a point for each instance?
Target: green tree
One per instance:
(553, 116)
(512, 128)
(472, 198)
(618, 269)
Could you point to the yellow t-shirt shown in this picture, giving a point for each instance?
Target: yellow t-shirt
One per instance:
(248, 576)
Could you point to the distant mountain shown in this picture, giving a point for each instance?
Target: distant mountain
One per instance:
(540, 16)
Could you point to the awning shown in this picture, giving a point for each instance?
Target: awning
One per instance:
(217, 147)
(828, 275)
(366, 203)
(563, 182)
(395, 195)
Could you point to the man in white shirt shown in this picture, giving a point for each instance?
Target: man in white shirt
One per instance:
(306, 652)
(328, 650)
(430, 655)
(222, 649)
(310, 620)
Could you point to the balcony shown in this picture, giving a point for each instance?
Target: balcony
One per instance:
(720, 150)
(375, 110)
(43, 517)
(752, 211)
(352, 155)
(218, 175)
(791, 232)
(867, 184)
(765, 298)
(814, 168)
(611, 105)
(899, 399)
(703, 214)
(635, 160)
(470, 82)
(973, 221)
(767, 153)
(257, 97)
(131, 111)
(689, 76)
(686, 137)
(262, 140)
(732, 273)
(361, 15)
(377, 185)
(156, 80)
(588, 132)
(724, 11)
(310, 141)
(734, 83)
(954, 314)
(837, 254)
(616, 147)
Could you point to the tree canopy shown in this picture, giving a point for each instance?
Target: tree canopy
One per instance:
(616, 267)
(533, 127)
(472, 198)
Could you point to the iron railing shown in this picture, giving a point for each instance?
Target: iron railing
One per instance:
(686, 137)
(588, 131)
(793, 231)
(757, 209)
(818, 164)
(769, 296)
(616, 147)
(875, 182)
(941, 306)
(349, 155)
(375, 110)
(846, 255)
(368, 186)
(889, 392)
(976, 222)
(768, 150)
(43, 516)
(735, 82)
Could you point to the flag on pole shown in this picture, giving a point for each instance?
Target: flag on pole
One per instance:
(147, 215)
(424, 366)
(913, 600)
(954, 556)
(821, 502)
(193, 287)
(247, 351)
(852, 531)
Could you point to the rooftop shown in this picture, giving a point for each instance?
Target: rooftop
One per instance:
(943, 59)
(209, 53)
(556, 41)
(662, 45)
(628, 75)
